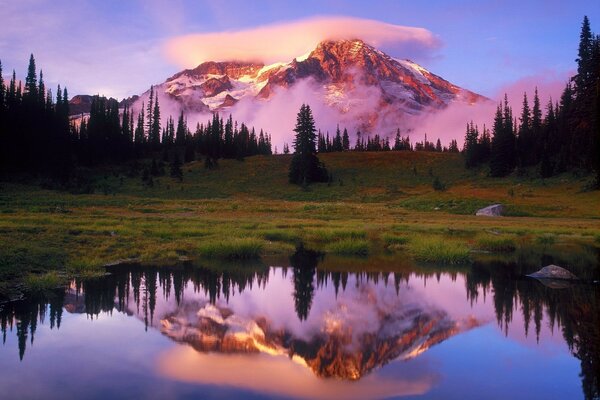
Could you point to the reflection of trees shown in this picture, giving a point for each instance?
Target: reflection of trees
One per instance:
(112, 291)
(575, 311)
(23, 316)
(304, 264)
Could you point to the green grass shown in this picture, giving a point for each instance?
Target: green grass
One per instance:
(349, 247)
(393, 241)
(281, 235)
(44, 282)
(232, 249)
(439, 250)
(496, 243)
(546, 239)
(386, 202)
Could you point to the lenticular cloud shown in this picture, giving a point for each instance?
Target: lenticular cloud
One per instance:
(284, 41)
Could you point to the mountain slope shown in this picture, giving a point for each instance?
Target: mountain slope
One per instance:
(349, 77)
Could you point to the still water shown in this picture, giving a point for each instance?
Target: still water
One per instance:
(306, 329)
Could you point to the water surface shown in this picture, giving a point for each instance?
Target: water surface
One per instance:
(307, 329)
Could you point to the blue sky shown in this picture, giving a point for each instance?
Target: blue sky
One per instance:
(117, 48)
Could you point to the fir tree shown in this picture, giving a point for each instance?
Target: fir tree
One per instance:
(502, 154)
(31, 87)
(154, 137)
(345, 140)
(525, 139)
(181, 133)
(470, 148)
(305, 166)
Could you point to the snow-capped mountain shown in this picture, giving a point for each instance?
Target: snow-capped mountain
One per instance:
(348, 76)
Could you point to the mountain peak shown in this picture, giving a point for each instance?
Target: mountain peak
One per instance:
(351, 76)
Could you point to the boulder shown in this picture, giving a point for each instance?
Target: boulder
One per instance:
(553, 272)
(495, 210)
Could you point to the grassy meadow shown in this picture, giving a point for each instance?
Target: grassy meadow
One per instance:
(377, 204)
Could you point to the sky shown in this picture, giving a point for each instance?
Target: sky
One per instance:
(119, 48)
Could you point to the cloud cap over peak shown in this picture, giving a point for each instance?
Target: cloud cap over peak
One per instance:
(283, 41)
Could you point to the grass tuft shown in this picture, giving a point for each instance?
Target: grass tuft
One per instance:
(43, 282)
(281, 235)
(349, 247)
(233, 249)
(393, 241)
(546, 240)
(495, 243)
(439, 250)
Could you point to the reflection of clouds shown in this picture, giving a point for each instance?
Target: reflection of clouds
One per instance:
(276, 375)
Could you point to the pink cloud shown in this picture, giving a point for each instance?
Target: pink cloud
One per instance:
(550, 83)
(284, 41)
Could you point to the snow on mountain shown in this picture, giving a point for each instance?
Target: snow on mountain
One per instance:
(363, 87)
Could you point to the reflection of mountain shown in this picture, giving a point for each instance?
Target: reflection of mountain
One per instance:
(327, 349)
(341, 347)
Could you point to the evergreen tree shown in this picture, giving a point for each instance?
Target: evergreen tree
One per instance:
(149, 112)
(470, 148)
(453, 148)
(31, 82)
(305, 166)
(42, 91)
(181, 130)
(583, 79)
(154, 137)
(525, 139)
(337, 140)
(345, 140)
(502, 155)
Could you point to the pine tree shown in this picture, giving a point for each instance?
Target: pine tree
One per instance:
(181, 134)
(154, 138)
(31, 87)
(525, 140)
(470, 148)
(42, 91)
(337, 140)
(502, 157)
(584, 59)
(345, 140)
(149, 111)
(305, 166)
(139, 137)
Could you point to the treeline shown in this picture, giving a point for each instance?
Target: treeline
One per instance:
(109, 135)
(34, 129)
(37, 135)
(565, 137)
(341, 142)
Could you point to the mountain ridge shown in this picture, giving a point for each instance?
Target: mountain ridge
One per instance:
(350, 77)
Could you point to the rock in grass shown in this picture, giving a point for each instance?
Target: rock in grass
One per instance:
(495, 210)
(553, 272)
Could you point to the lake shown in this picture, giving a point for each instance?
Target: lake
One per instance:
(308, 327)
